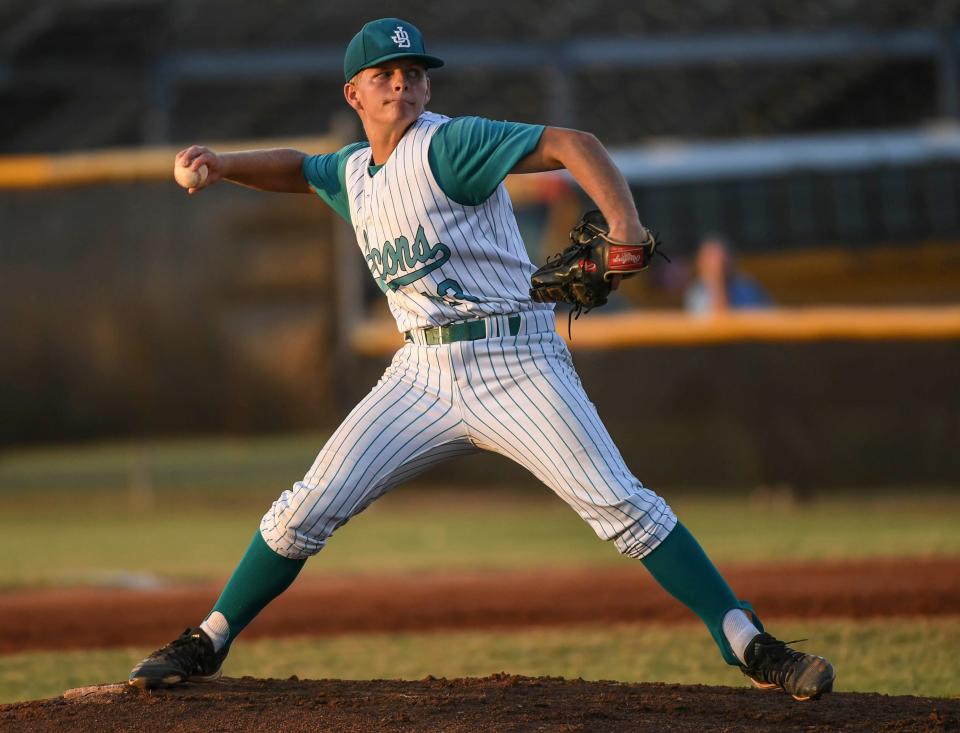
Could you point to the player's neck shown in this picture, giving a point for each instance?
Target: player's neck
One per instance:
(384, 139)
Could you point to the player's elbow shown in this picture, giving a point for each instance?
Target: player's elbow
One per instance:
(587, 138)
(566, 145)
(562, 138)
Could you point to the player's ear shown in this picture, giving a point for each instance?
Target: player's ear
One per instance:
(426, 99)
(350, 94)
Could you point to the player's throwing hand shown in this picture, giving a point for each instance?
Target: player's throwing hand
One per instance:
(197, 168)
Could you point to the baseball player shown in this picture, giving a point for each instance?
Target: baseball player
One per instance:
(481, 368)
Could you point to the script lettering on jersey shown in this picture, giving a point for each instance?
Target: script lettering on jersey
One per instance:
(402, 262)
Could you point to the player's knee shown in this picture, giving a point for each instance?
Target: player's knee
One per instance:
(635, 546)
(289, 543)
(298, 523)
(286, 535)
(641, 537)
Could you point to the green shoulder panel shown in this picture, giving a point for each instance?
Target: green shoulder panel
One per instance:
(325, 175)
(470, 156)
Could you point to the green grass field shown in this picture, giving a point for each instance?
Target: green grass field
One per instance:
(85, 540)
(126, 514)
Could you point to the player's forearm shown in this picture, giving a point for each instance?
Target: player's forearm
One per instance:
(592, 167)
(266, 170)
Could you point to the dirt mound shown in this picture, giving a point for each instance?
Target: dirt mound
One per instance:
(498, 703)
(98, 617)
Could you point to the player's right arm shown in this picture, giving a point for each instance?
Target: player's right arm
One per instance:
(279, 169)
(591, 166)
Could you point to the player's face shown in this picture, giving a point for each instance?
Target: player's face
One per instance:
(390, 95)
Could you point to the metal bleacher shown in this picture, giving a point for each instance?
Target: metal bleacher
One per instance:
(91, 73)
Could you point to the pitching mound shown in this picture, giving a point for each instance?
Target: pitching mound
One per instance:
(498, 703)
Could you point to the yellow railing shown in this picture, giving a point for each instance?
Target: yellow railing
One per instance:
(126, 165)
(670, 328)
(121, 165)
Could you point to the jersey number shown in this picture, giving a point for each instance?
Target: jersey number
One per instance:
(450, 292)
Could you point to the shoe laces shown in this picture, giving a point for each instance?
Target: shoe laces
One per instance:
(186, 650)
(776, 659)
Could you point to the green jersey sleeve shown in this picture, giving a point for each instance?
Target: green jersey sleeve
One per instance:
(325, 175)
(470, 156)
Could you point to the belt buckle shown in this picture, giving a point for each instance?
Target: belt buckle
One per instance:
(440, 330)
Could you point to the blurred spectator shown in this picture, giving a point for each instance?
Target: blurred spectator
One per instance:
(718, 286)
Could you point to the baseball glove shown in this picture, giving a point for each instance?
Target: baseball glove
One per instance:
(580, 275)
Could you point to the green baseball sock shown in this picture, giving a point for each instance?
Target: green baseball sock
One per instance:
(261, 576)
(681, 566)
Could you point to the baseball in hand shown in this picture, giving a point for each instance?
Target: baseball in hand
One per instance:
(189, 178)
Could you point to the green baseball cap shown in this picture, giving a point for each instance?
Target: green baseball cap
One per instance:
(384, 40)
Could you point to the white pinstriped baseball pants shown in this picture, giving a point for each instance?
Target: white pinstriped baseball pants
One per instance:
(515, 395)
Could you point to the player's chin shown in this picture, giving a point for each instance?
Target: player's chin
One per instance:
(401, 111)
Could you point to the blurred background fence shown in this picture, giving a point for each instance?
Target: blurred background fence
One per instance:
(821, 140)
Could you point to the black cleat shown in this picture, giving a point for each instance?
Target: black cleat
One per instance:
(772, 664)
(188, 658)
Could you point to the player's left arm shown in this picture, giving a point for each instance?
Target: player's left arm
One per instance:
(591, 166)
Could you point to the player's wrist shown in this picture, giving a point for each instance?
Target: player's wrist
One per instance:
(627, 229)
(628, 234)
(226, 164)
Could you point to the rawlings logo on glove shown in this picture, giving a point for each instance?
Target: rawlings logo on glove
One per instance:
(628, 258)
(580, 275)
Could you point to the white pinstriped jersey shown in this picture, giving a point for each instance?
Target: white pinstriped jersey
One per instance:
(436, 260)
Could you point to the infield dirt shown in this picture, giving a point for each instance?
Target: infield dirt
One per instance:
(498, 703)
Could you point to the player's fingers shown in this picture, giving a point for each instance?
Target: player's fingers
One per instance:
(209, 159)
(188, 156)
(204, 156)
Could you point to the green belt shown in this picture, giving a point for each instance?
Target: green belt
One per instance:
(462, 331)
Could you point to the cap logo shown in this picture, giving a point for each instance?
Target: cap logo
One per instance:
(401, 37)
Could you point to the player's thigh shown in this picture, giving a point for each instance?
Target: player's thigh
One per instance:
(531, 407)
(405, 424)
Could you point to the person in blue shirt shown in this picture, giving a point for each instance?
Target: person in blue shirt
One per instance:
(719, 287)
